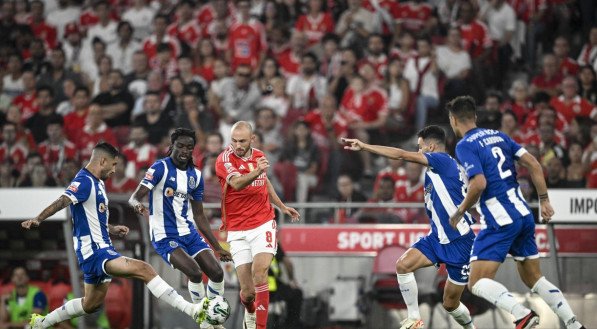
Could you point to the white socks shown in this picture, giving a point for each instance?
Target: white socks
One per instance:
(462, 315)
(163, 291)
(71, 309)
(215, 288)
(497, 294)
(197, 291)
(554, 298)
(410, 293)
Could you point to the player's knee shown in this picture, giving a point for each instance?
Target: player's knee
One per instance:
(216, 274)
(402, 267)
(248, 294)
(195, 275)
(146, 271)
(450, 303)
(259, 277)
(90, 306)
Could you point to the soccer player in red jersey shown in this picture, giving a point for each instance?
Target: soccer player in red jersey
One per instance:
(248, 216)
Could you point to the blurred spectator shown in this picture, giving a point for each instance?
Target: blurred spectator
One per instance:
(422, 75)
(356, 24)
(119, 182)
(411, 190)
(101, 82)
(213, 12)
(550, 79)
(62, 16)
(376, 55)
(74, 121)
(326, 124)
(8, 24)
(192, 115)
(5, 100)
(406, 48)
(347, 192)
(341, 81)
(37, 62)
(56, 75)
(17, 306)
(307, 88)
(588, 84)
(556, 173)
(185, 29)
(548, 146)
(291, 59)
(203, 60)
(570, 104)
(192, 82)
(123, 49)
(521, 104)
(13, 80)
(567, 65)
(541, 103)
(455, 64)
(94, 131)
(75, 52)
(588, 54)
(214, 144)
(331, 56)
(66, 106)
(416, 16)
(38, 24)
(385, 194)
(236, 99)
(24, 136)
(315, 23)
(268, 124)
(173, 99)
(93, 51)
(159, 36)
(136, 80)
(501, 21)
(116, 103)
(575, 171)
(105, 28)
(247, 44)
(7, 174)
(69, 170)
(156, 121)
(395, 170)
(25, 101)
(510, 127)
(140, 15)
(398, 93)
(38, 177)
(46, 111)
(11, 149)
(277, 100)
(33, 159)
(138, 152)
(56, 149)
(269, 70)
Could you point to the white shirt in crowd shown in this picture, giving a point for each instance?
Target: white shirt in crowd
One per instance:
(429, 84)
(452, 63)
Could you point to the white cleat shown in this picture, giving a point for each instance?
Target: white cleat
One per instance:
(36, 321)
(200, 311)
(250, 321)
(412, 324)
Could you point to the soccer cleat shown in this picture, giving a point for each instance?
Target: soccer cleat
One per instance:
(200, 311)
(36, 321)
(412, 324)
(531, 320)
(250, 321)
(205, 325)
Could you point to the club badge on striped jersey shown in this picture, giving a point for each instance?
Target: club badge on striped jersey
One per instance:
(192, 184)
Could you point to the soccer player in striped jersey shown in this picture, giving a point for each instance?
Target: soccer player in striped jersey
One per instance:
(488, 158)
(97, 258)
(172, 183)
(444, 189)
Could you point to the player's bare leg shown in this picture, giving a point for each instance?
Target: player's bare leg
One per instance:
(247, 294)
(132, 268)
(412, 260)
(211, 266)
(180, 260)
(481, 283)
(530, 273)
(452, 304)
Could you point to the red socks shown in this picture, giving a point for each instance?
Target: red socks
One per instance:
(250, 306)
(261, 304)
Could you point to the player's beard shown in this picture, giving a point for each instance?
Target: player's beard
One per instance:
(242, 151)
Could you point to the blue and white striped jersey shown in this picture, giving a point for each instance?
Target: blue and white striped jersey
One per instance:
(445, 185)
(90, 214)
(169, 207)
(492, 153)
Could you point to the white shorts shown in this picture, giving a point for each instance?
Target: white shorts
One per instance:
(244, 245)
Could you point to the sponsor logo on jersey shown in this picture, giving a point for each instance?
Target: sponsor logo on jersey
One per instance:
(168, 192)
(149, 174)
(74, 187)
(192, 182)
(242, 167)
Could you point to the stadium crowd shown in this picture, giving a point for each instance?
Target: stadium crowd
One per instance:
(307, 73)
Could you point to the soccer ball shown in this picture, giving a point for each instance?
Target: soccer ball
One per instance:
(218, 310)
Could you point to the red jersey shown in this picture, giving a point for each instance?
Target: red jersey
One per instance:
(150, 46)
(403, 55)
(249, 207)
(568, 67)
(366, 106)
(380, 64)
(247, 42)
(522, 111)
(315, 28)
(318, 128)
(125, 185)
(17, 153)
(413, 16)
(396, 175)
(87, 19)
(407, 193)
(542, 82)
(289, 64)
(189, 32)
(73, 123)
(206, 14)
(531, 122)
(45, 32)
(533, 138)
(56, 154)
(391, 6)
(592, 179)
(27, 105)
(475, 38)
(88, 139)
(139, 157)
(205, 71)
(525, 9)
(570, 109)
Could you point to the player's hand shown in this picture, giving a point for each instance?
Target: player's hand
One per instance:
(456, 217)
(119, 230)
(353, 144)
(141, 209)
(546, 210)
(30, 223)
(262, 164)
(294, 215)
(225, 255)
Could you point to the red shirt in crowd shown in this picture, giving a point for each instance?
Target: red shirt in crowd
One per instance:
(319, 130)
(366, 106)
(475, 38)
(413, 16)
(17, 153)
(531, 122)
(27, 105)
(189, 32)
(544, 83)
(45, 32)
(525, 9)
(247, 42)
(249, 207)
(315, 28)
(150, 46)
(380, 64)
(139, 158)
(73, 123)
(54, 154)
(407, 193)
(570, 109)
(568, 67)
(87, 139)
(289, 63)
(124, 185)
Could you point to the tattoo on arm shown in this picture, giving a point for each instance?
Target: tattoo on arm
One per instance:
(55, 207)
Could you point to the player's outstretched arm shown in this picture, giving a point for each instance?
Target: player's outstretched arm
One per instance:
(242, 181)
(475, 188)
(135, 199)
(55, 207)
(386, 151)
(205, 229)
(536, 171)
(273, 196)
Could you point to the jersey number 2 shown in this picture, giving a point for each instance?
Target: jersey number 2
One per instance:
(499, 154)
